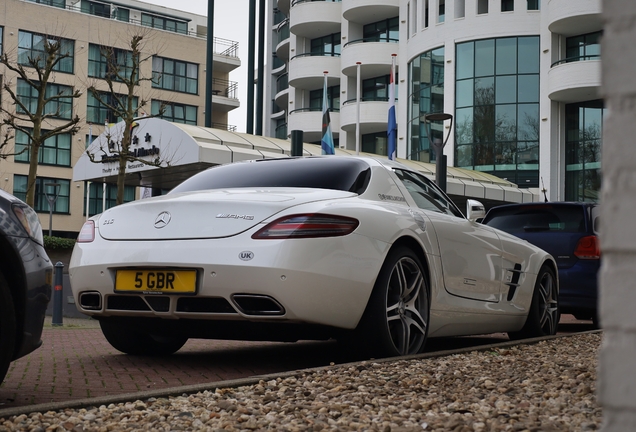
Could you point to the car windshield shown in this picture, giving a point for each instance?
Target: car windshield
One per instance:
(336, 173)
(566, 218)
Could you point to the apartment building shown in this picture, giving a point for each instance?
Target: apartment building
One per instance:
(176, 43)
(521, 79)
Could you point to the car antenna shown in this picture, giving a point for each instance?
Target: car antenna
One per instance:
(544, 190)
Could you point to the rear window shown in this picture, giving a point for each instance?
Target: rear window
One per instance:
(537, 218)
(337, 173)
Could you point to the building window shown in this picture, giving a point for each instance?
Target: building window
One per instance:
(482, 7)
(56, 150)
(326, 46)
(59, 108)
(460, 8)
(333, 99)
(96, 197)
(99, 113)
(382, 31)
(426, 95)
(281, 129)
(534, 4)
(55, 3)
(109, 63)
(1, 39)
(507, 5)
(31, 47)
(377, 89)
(583, 47)
(175, 112)
(374, 143)
(425, 13)
(583, 143)
(41, 204)
(441, 11)
(497, 108)
(164, 23)
(169, 74)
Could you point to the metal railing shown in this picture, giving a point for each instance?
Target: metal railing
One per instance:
(314, 109)
(283, 31)
(224, 47)
(295, 2)
(282, 83)
(373, 39)
(224, 126)
(316, 54)
(369, 99)
(577, 58)
(221, 87)
(281, 131)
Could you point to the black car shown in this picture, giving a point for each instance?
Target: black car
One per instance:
(569, 232)
(26, 273)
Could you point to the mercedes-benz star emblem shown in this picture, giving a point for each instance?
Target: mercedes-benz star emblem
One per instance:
(162, 220)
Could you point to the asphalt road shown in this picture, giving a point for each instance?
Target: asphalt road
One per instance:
(76, 362)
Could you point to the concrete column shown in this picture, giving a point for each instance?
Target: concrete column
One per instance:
(617, 371)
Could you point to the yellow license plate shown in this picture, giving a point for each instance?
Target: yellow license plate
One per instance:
(156, 281)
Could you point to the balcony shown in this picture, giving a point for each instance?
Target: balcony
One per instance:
(282, 90)
(282, 45)
(374, 56)
(307, 70)
(374, 114)
(283, 6)
(309, 120)
(312, 19)
(570, 18)
(368, 11)
(575, 81)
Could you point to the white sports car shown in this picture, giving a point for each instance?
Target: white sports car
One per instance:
(359, 249)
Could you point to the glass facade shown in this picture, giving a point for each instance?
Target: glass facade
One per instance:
(109, 63)
(62, 204)
(583, 47)
(382, 31)
(333, 99)
(59, 108)
(326, 46)
(497, 108)
(164, 23)
(96, 197)
(426, 95)
(583, 142)
(55, 151)
(376, 143)
(98, 112)
(175, 112)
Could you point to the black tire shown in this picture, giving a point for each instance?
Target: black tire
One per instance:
(7, 327)
(543, 317)
(395, 322)
(137, 342)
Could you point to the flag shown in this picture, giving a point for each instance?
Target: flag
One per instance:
(392, 125)
(327, 137)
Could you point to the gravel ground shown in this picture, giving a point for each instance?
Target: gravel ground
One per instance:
(546, 386)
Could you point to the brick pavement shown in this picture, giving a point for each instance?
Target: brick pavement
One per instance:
(76, 362)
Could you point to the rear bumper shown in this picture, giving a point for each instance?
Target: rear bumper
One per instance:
(578, 287)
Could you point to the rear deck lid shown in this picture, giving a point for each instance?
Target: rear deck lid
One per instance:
(203, 214)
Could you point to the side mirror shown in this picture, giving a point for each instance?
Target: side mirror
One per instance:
(474, 210)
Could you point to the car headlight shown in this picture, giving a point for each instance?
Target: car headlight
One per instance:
(29, 220)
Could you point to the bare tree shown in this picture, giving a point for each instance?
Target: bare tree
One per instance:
(122, 74)
(32, 114)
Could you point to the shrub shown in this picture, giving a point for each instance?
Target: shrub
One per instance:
(58, 243)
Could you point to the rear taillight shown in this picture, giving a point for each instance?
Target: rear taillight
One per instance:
(87, 234)
(588, 248)
(307, 226)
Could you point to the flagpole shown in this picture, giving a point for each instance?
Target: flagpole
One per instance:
(326, 143)
(358, 108)
(392, 123)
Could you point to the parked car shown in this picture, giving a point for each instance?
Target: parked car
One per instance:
(359, 249)
(26, 274)
(569, 232)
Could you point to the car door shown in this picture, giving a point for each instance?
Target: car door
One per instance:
(470, 252)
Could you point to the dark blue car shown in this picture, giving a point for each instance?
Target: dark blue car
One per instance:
(569, 232)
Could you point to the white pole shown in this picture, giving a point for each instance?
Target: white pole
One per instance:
(358, 108)
(88, 197)
(103, 197)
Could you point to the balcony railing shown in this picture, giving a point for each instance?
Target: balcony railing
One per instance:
(372, 39)
(314, 109)
(221, 87)
(224, 126)
(295, 2)
(369, 99)
(281, 131)
(283, 31)
(577, 58)
(317, 54)
(221, 46)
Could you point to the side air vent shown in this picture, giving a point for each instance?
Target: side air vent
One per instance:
(254, 304)
(514, 281)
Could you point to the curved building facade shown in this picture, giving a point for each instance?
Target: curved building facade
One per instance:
(521, 79)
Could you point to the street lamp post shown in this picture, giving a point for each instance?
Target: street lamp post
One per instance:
(438, 145)
(51, 198)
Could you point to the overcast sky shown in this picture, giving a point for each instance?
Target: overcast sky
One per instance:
(231, 20)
